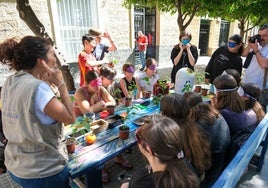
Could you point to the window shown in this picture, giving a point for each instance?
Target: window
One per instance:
(72, 19)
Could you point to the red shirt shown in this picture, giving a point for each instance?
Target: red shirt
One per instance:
(142, 39)
(82, 60)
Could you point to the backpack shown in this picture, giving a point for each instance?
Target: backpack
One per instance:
(237, 141)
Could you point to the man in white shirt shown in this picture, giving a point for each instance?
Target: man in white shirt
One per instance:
(259, 61)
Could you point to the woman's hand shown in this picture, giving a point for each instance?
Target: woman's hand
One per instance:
(53, 76)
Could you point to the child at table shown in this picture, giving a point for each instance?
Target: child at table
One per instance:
(148, 78)
(129, 84)
(92, 97)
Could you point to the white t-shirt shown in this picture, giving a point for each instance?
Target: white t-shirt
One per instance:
(254, 73)
(43, 95)
(148, 86)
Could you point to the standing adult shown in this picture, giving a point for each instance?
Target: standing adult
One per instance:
(259, 62)
(225, 57)
(183, 54)
(101, 48)
(36, 154)
(142, 42)
(86, 59)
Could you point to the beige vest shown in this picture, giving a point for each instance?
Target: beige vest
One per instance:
(34, 150)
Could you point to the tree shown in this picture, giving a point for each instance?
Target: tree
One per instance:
(249, 13)
(186, 9)
(27, 14)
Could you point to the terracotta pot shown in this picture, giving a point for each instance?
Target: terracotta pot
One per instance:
(197, 89)
(157, 89)
(204, 92)
(110, 109)
(128, 101)
(70, 144)
(146, 94)
(123, 132)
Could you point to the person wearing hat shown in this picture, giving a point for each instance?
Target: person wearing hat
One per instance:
(149, 77)
(225, 57)
(86, 59)
(101, 48)
(129, 83)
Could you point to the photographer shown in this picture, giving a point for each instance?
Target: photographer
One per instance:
(255, 73)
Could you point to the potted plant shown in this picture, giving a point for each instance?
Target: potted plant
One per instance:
(71, 144)
(117, 95)
(161, 87)
(131, 90)
(146, 94)
(124, 132)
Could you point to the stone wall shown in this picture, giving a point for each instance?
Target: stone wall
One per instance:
(11, 24)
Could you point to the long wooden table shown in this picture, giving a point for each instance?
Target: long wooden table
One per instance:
(88, 160)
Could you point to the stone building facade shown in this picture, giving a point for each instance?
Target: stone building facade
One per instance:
(118, 20)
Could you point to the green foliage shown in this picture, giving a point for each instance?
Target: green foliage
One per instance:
(117, 93)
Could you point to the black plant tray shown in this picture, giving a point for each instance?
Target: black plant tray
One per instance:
(114, 121)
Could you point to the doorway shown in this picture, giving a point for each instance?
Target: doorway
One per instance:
(145, 21)
(204, 36)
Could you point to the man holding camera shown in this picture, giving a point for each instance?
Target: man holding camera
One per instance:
(255, 72)
(259, 61)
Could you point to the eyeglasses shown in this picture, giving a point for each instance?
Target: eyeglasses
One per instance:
(141, 141)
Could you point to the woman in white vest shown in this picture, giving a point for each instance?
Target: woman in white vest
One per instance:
(35, 155)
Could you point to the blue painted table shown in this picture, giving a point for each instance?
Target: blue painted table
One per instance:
(88, 160)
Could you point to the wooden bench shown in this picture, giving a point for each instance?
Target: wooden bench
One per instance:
(232, 173)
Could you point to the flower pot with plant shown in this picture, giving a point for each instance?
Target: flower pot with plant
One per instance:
(146, 94)
(71, 144)
(161, 87)
(123, 132)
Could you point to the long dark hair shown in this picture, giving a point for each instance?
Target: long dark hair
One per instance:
(166, 141)
(227, 96)
(197, 150)
(201, 111)
(23, 54)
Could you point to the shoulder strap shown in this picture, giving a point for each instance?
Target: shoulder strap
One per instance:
(265, 78)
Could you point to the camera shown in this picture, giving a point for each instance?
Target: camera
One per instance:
(253, 38)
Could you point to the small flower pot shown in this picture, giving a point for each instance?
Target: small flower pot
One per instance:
(197, 89)
(110, 109)
(146, 94)
(204, 92)
(128, 101)
(123, 132)
(70, 144)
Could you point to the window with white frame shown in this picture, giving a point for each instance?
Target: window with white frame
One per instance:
(71, 20)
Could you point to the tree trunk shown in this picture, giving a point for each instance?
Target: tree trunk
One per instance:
(27, 14)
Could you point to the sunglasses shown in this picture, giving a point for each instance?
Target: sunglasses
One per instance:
(141, 141)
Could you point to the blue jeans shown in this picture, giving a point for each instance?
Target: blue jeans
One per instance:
(142, 58)
(60, 180)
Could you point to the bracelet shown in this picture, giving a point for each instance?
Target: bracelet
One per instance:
(61, 84)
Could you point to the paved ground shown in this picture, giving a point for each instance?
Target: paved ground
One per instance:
(251, 179)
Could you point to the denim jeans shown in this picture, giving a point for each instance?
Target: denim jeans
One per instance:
(142, 58)
(59, 180)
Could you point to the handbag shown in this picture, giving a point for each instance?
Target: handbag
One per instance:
(263, 99)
